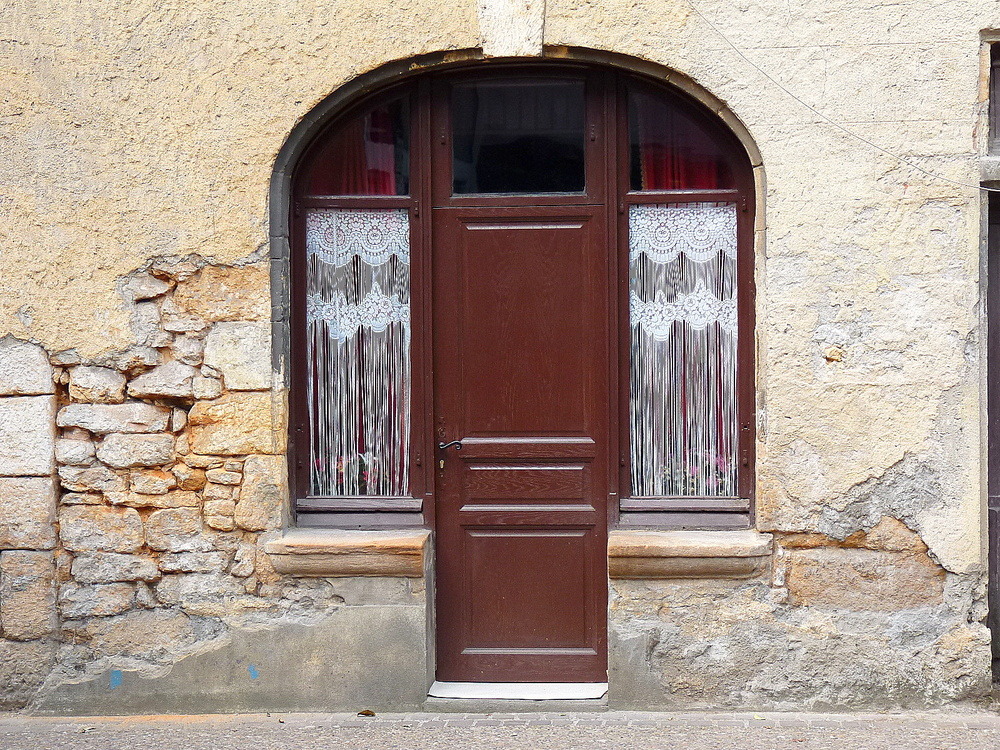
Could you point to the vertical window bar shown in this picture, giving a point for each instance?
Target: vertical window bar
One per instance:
(994, 103)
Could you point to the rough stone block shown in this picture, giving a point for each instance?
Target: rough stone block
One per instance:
(23, 668)
(218, 491)
(152, 482)
(88, 528)
(220, 507)
(96, 385)
(187, 589)
(219, 522)
(176, 320)
(188, 350)
(81, 498)
(860, 579)
(27, 436)
(142, 286)
(146, 325)
(24, 369)
(243, 561)
(90, 479)
(176, 530)
(136, 359)
(122, 451)
(75, 452)
(27, 513)
(27, 594)
(111, 567)
(193, 562)
(102, 419)
(233, 425)
(223, 476)
(178, 420)
(95, 601)
(242, 352)
(171, 380)
(207, 388)
(222, 294)
(188, 477)
(178, 499)
(263, 494)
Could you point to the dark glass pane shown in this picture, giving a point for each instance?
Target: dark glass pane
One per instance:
(670, 149)
(519, 136)
(367, 155)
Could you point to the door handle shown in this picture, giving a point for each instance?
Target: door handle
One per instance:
(456, 443)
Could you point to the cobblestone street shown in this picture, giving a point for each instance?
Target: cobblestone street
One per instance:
(563, 731)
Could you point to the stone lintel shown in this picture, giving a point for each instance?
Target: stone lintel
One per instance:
(343, 553)
(687, 554)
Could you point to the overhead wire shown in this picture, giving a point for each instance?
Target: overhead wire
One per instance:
(831, 121)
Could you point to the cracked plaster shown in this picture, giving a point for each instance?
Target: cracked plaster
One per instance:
(863, 254)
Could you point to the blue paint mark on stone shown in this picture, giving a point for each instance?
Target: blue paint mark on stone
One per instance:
(116, 678)
(254, 674)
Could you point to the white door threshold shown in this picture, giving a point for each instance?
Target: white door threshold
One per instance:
(519, 691)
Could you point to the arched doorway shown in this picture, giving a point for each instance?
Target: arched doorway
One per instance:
(522, 312)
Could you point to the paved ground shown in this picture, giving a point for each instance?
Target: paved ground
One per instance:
(947, 730)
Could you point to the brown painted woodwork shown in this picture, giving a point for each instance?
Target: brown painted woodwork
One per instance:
(519, 309)
(607, 186)
(993, 418)
(521, 346)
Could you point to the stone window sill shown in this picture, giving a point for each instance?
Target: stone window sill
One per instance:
(688, 554)
(338, 553)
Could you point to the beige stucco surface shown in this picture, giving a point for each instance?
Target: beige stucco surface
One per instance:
(132, 132)
(140, 129)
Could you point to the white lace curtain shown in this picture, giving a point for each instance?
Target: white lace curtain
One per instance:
(358, 325)
(682, 302)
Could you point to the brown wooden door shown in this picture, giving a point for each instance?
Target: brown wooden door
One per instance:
(521, 379)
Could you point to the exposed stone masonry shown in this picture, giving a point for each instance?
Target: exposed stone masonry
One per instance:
(28, 541)
(832, 618)
(869, 347)
(135, 488)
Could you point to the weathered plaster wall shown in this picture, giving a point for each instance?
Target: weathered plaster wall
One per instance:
(868, 622)
(142, 129)
(138, 143)
(868, 284)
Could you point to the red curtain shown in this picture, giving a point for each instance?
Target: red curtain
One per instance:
(360, 159)
(675, 152)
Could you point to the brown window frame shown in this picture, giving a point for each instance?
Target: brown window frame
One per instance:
(608, 163)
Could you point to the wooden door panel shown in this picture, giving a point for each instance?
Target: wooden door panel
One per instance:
(523, 296)
(516, 606)
(490, 484)
(520, 378)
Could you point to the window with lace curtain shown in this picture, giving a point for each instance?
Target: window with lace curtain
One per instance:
(357, 308)
(687, 419)
(673, 179)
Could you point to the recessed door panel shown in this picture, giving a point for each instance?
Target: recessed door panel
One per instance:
(520, 379)
(523, 285)
(533, 483)
(517, 606)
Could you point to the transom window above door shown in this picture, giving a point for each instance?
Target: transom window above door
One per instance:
(518, 136)
(676, 187)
